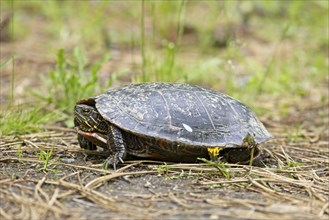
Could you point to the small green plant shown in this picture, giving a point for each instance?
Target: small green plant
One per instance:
(2, 66)
(20, 154)
(294, 164)
(218, 186)
(71, 81)
(161, 67)
(221, 166)
(45, 156)
(23, 119)
(163, 169)
(251, 156)
(291, 163)
(178, 176)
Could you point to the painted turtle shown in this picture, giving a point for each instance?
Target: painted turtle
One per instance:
(168, 121)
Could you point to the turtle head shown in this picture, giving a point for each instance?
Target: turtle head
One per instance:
(88, 119)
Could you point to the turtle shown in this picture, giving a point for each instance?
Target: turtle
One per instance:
(169, 122)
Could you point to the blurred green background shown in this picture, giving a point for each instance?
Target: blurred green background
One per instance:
(272, 55)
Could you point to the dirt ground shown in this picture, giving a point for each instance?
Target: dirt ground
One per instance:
(289, 181)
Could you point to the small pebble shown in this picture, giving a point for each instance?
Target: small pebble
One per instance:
(67, 160)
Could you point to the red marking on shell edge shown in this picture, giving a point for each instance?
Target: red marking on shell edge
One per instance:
(155, 156)
(94, 138)
(90, 102)
(162, 144)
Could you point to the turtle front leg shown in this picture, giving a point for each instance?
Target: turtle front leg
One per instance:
(116, 146)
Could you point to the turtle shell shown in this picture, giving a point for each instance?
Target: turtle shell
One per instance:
(181, 113)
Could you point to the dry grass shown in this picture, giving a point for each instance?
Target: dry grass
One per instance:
(292, 183)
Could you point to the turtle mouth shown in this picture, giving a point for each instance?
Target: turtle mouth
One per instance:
(78, 129)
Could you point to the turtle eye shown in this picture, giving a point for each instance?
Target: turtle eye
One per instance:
(86, 111)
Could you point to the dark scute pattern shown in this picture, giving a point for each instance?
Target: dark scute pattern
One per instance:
(181, 113)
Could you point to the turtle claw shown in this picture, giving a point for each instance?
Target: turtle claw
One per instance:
(112, 160)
